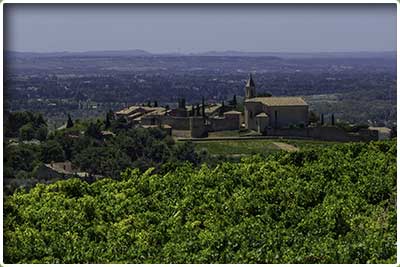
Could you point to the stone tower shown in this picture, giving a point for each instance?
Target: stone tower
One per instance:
(250, 88)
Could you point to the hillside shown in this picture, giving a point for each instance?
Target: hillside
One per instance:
(333, 204)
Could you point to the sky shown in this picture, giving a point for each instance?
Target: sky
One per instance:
(195, 28)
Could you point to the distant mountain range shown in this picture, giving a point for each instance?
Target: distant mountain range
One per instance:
(228, 53)
(104, 53)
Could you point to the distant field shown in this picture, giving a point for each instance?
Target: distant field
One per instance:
(248, 147)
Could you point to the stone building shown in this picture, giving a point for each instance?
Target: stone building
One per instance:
(60, 170)
(214, 117)
(262, 113)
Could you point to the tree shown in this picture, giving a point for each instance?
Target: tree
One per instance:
(21, 157)
(186, 152)
(203, 107)
(193, 112)
(107, 161)
(158, 151)
(234, 101)
(109, 118)
(27, 132)
(70, 124)
(222, 109)
(52, 151)
(94, 130)
(41, 133)
(107, 123)
(313, 117)
(121, 123)
(393, 132)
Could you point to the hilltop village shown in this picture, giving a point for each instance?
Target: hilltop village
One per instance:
(266, 116)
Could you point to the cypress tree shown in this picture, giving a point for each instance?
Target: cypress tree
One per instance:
(203, 108)
(108, 121)
(192, 112)
(70, 124)
(234, 101)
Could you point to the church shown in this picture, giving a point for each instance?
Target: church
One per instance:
(261, 113)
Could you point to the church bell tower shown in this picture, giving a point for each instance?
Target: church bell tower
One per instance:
(250, 88)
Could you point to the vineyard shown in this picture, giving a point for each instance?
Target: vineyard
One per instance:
(334, 204)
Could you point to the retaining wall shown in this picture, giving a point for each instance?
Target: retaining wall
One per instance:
(224, 124)
(326, 134)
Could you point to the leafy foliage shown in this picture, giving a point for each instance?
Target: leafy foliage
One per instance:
(327, 205)
(85, 145)
(26, 125)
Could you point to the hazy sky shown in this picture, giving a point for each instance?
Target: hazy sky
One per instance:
(196, 28)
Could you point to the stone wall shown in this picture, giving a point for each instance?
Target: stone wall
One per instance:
(198, 129)
(224, 123)
(177, 123)
(279, 116)
(325, 133)
(231, 122)
(287, 115)
(288, 132)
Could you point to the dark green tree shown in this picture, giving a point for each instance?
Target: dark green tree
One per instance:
(52, 151)
(203, 107)
(41, 133)
(27, 132)
(234, 101)
(70, 123)
(107, 161)
(313, 117)
(193, 112)
(94, 130)
(109, 118)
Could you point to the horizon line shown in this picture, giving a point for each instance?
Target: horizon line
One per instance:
(201, 52)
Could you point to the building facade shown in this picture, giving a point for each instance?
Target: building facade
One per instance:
(262, 113)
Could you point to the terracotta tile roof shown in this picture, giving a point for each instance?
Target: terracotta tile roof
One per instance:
(279, 101)
(65, 168)
(139, 109)
(210, 109)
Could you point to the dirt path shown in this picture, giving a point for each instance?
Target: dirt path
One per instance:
(286, 147)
